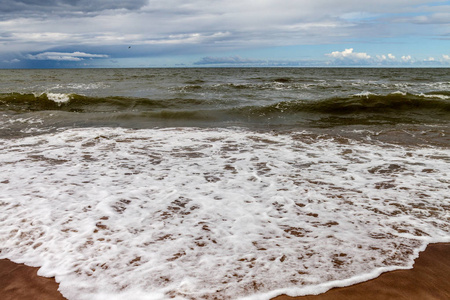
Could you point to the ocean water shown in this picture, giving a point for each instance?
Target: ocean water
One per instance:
(221, 183)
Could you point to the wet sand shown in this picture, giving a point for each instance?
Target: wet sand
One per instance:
(20, 282)
(428, 280)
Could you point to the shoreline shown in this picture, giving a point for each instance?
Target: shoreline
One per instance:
(429, 279)
(21, 282)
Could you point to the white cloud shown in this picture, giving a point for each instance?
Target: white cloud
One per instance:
(349, 54)
(11, 61)
(42, 37)
(207, 28)
(339, 58)
(227, 60)
(385, 58)
(64, 56)
(349, 57)
(406, 58)
(437, 18)
(268, 22)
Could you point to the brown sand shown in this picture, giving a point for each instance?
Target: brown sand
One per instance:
(20, 282)
(429, 279)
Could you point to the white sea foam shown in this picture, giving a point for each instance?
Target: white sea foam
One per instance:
(206, 213)
(88, 86)
(75, 87)
(365, 94)
(400, 93)
(58, 97)
(7, 123)
(438, 96)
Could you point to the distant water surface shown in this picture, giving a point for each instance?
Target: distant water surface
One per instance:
(262, 98)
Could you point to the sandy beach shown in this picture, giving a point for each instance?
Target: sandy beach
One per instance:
(429, 279)
(20, 282)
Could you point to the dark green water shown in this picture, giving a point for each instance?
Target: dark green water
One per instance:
(37, 101)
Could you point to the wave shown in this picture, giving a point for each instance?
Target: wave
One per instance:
(79, 103)
(431, 104)
(364, 103)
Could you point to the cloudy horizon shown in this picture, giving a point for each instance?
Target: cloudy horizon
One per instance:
(199, 33)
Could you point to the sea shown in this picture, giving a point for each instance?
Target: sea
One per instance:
(221, 183)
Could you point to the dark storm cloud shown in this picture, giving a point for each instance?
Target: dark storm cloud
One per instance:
(10, 8)
(34, 30)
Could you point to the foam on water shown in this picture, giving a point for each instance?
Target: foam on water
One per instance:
(216, 213)
(443, 97)
(20, 124)
(58, 97)
(365, 94)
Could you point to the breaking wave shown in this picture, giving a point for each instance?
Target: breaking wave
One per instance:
(358, 103)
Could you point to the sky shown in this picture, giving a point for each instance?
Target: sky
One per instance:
(219, 33)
